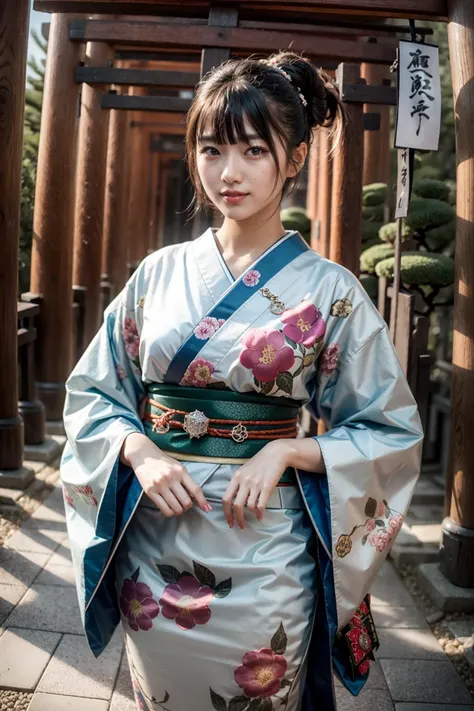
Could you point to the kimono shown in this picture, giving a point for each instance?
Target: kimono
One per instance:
(260, 618)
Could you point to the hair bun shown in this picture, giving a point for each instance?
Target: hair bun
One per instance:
(324, 105)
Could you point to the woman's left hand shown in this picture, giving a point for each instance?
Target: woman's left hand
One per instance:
(253, 483)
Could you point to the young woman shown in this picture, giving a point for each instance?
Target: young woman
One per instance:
(237, 554)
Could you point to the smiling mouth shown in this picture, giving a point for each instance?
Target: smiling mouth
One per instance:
(232, 194)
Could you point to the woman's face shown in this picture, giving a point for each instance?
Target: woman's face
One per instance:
(242, 179)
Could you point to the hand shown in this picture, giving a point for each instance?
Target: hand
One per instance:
(166, 481)
(253, 483)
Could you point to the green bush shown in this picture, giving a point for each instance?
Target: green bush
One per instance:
(369, 244)
(388, 232)
(430, 188)
(425, 213)
(296, 218)
(374, 194)
(419, 268)
(369, 282)
(372, 256)
(439, 237)
(373, 212)
(370, 230)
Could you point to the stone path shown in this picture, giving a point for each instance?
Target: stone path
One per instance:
(45, 661)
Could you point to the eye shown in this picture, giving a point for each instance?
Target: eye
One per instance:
(256, 151)
(205, 150)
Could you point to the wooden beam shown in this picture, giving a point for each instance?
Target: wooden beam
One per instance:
(426, 10)
(369, 94)
(153, 34)
(144, 103)
(136, 77)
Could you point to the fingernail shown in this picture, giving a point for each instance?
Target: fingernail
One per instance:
(208, 508)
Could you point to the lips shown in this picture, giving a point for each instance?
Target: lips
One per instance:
(233, 194)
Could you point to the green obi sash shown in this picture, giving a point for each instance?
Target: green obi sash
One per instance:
(263, 412)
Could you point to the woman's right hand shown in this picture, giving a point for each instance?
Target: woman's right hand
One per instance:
(166, 481)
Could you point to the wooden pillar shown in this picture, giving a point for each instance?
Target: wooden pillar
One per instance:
(324, 192)
(114, 250)
(346, 220)
(377, 143)
(457, 550)
(138, 196)
(153, 202)
(51, 256)
(13, 48)
(89, 217)
(313, 189)
(164, 172)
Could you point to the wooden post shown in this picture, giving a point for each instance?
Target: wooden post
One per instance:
(138, 196)
(346, 219)
(51, 256)
(153, 202)
(89, 217)
(313, 189)
(324, 192)
(377, 143)
(457, 549)
(114, 251)
(13, 47)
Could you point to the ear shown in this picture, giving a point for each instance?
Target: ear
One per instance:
(299, 157)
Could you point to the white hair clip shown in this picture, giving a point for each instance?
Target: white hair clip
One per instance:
(288, 78)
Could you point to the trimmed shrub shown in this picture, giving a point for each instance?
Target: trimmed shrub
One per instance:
(372, 256)
(388, 232)
(296, 218)
(431, 188)
(370, 230)
(374, 194)
(373, 213)
(439, 237)
(369, 282)
(420, 268)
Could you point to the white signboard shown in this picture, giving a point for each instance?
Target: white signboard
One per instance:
(403, 183)
(419, 97)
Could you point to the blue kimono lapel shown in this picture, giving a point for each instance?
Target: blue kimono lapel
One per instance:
(269, 264)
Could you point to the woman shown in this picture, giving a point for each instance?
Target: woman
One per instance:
(237, 554)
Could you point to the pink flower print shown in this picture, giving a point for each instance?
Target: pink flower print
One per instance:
(380, 510)
(198, 374)
(251, 278)
(131, 337)
(370, 525)
(260, 673)
(68, 498)
(395, 523)
(121, 374)
(304, 324)
(380, 539)
(266, 354)
(364, 667)
(137, 604)
(329, 358)
(206, 328)
(187, 602)
(86, 494)
(221, 321)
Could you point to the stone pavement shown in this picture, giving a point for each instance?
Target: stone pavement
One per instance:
(43, 652)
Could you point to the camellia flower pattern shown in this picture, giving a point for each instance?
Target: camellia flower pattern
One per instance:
(329, 358)
(137, 603)
(207, 327)
(380, 528)
(266, 354)
(131, 338)
(251, 278)
(304, 324)
(187, 602)
(198, 373)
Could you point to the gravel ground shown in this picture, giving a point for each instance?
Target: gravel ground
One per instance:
(452, 646)
(14, 700)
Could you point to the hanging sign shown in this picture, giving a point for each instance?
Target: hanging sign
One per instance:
(419, 97)
(403, 183)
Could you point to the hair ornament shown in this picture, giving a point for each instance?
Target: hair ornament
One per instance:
(288, 78)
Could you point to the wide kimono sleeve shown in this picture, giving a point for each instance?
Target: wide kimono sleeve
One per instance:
(371, 449)
(103, 397)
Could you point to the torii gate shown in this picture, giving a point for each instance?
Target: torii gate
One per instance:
(458, 554)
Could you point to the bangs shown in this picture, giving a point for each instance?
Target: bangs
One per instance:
(222, 119)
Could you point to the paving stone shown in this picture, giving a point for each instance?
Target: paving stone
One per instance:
(445, 595)
(376, 678)
(9, 496)
(48, 607)
(368, 700)
(401, 617)
(20, 566)
(17, 646)
(414, 555)
(56, 575)
(122, 699)
(53, 702)
(35, 541)
(424, 681)
(62, 556)
(427, 532)
(47, 518)
(432, 707)
(10, 595)
(76, 672)
(463, 630)
(418, 514)
(409, 644)
(427, 492)
(388, 589)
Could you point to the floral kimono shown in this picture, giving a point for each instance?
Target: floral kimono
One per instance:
(260, 618)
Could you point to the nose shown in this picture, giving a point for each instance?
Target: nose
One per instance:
(231, 172)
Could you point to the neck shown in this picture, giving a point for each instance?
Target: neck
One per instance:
(249, 238)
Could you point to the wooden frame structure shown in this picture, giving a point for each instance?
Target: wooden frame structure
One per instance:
(222, 30)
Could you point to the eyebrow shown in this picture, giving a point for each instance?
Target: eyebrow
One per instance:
(212, 137)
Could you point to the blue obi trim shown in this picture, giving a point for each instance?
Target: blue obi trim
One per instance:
(269, 264)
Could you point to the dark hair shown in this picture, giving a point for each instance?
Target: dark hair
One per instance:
(257, 90)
